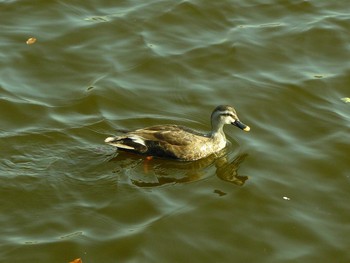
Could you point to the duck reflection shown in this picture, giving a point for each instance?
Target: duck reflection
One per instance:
(149, 172)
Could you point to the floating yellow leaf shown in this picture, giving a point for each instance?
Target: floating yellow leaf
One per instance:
(31, 41)
(78, 260)
(346, 100)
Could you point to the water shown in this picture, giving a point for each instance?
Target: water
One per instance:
(281, 192)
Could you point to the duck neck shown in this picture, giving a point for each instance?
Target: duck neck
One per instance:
(217, 130)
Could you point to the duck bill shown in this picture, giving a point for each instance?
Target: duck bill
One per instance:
(241, 125)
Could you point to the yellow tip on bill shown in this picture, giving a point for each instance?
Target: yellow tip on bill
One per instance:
(247, 129)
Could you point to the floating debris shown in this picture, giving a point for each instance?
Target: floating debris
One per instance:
(31, 41)
(219, 192)
(77, 260)
(286, 198)
(346, 100)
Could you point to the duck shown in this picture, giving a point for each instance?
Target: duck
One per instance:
(177, 141)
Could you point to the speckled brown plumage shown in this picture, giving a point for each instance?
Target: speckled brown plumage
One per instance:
(179, 142)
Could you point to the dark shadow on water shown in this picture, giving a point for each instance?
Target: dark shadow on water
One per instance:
(145, 172)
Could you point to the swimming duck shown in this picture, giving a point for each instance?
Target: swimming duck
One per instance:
(180, 142)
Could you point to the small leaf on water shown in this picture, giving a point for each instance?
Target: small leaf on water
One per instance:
(219, 192)
(77, 260)
(31, 41)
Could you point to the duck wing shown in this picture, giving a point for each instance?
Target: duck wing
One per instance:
(168, 134)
